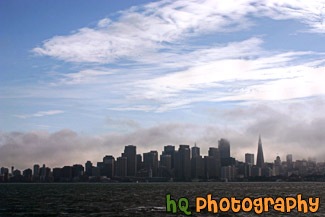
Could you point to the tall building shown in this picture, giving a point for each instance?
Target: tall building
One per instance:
(89, 168)
(211, 167)
(36, 170)
(224, 148)
(197, 163)
(183, 163)
(195, 151)
(170, 150)
(121, 167)
(277, 169)
(130, 152)
(228, 173)
(289, 158)
(249, 159)
(260, 156)
(214, 152)
(139, 162)
(212, 163)
(289, 162)
(150, 161)
(108, 166)
(77, 171)
(57, 174)
(66, 173)
(165, 165)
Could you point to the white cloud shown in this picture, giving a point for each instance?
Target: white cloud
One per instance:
(40, 114)
(85, 76)
(140, 32)
(235, 72)
(133, 108)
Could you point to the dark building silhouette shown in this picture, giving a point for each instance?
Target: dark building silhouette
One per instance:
(56, 174)
(150, 161)
(230, 161)
(197, 163)
(249, 159)
(36, 170)
(28, 175)
(95, 171)
(213, 163)
(130, 152)
(4, 171)
(260, 156)
(89, 168)
(77, 171)
(197, 167)
(183, 163)
(165, 167)
(224, 148)
(195, 151)
(121, 167)
(139, 162)
(100, 166)
(214, 152)
(66, 173)
(16, 173)
(228, 173)
(45, 173)
(108, 166)
(170, 150)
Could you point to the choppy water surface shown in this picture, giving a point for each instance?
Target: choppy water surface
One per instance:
(145, 199)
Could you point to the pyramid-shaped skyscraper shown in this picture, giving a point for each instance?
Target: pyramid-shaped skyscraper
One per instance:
(260, 156)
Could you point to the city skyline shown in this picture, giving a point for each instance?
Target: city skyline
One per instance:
(183, 164)
(78, 79)
(223, 149)
(9, 160)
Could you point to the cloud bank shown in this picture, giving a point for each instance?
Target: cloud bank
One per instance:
(282, 132)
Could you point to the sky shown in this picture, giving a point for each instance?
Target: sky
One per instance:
(81, 79)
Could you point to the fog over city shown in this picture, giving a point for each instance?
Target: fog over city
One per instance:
(295, 133)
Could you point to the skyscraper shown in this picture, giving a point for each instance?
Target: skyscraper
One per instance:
(224, 148)
(212, 163)
(260, 156)
(36, 170)
(289, 162)
(249, 159)
(183, 162)
(214, 152)
(130, 152)
(289, 158)
(166, 164)
(195, 151)
(150, 161)
(197, 163)
(170, 150)
(108, 166)
(89, 167)
(121, 167)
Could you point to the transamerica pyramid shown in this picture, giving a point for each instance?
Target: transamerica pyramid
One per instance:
(260, 156)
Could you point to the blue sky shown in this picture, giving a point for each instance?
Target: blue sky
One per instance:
(124, 66)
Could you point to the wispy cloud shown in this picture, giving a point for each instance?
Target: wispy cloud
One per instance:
(133, 108)
(140, 32)
(85, 76)
(39, 114)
